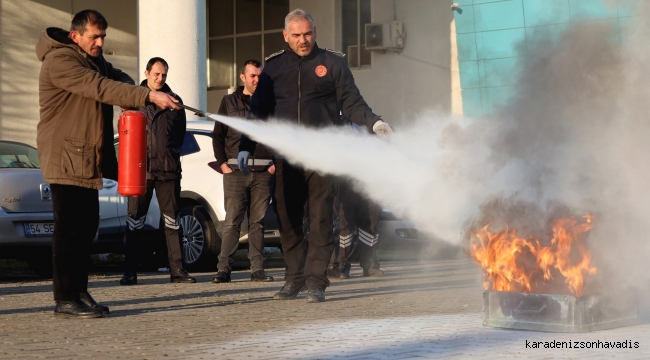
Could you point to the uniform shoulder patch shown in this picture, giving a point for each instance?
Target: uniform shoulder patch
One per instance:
(273, 55)
(336, 52)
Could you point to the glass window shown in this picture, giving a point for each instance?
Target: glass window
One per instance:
(364, 18)
(17, 155)
(249, 16)
(220, 20)
(273, 43)
(350, 27)
(221, 63)
(355, 15)
(240, 30)
(274, 13)
(248, 47)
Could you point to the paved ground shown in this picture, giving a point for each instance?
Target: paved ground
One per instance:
(419, 310)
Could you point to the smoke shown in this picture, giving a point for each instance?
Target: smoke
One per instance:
(575, 139)
(577, 134)
(419, 173)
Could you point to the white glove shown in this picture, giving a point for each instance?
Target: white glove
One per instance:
(382, 129)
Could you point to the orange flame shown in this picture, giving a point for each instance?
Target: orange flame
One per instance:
(511, 263)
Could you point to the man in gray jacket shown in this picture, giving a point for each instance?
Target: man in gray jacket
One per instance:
(77, 88)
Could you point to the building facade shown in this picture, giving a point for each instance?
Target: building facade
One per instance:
(205, 40)
(459, 57)
(494, 38)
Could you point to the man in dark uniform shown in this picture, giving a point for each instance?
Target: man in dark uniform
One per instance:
(355, 212)
(164, 143)
(312, 87)
(243, 193)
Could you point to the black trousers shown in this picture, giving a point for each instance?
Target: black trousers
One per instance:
(245, 194)
(356, 212)
(294, 186)
(76, 220)
(168, 195)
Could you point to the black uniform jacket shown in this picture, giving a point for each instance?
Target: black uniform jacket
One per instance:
(165, 139)
(310, 90)
(225, 140)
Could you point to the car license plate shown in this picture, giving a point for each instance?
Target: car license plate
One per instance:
(39, 229)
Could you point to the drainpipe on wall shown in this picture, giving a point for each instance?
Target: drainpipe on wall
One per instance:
(456, 91)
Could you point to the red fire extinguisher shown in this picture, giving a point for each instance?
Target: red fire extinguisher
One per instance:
(132, 154)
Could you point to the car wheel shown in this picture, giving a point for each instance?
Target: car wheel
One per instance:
(200, 242)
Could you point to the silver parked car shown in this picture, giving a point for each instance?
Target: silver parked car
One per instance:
(26, 219)
(397, 233)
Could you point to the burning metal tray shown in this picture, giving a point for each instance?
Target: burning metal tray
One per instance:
(558, 313)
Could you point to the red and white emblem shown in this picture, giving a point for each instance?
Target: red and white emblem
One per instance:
(321, 70)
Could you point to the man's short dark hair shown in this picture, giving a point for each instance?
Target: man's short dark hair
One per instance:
(154, 60)
(85, 17)
(253, 62)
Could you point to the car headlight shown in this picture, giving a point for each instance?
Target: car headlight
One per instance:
(407, 233)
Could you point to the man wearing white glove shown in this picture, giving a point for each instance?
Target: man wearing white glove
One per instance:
(312, 87)
(382, 129)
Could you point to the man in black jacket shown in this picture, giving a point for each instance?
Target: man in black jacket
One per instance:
(243, 193)
(311, 86)
(355, 212)
(357, 215)
(164, 143)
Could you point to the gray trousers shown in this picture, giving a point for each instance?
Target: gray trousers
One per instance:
(245, 194)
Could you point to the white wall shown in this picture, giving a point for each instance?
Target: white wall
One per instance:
(400, 86)
(21, 23)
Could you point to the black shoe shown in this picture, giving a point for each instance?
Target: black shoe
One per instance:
(260, 275)
(76, 309)
(336, 274)
(129, 279)
(181, 276)
(315, 294)
(373, 272)
(289, 291)
(343, 275)
(222, 277)
(85, 297)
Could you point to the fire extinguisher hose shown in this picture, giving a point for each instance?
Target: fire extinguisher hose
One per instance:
(197, 112)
